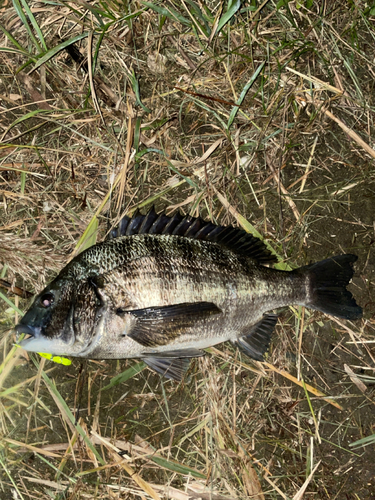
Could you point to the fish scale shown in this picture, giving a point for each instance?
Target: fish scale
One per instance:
(164, 288)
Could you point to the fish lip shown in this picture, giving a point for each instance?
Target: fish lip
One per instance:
(28, 330)
(33, 332)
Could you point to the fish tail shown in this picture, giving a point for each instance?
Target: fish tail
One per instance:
(327, 284)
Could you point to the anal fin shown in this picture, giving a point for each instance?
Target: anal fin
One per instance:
(172, 364)
(173, 368)
(256, 340)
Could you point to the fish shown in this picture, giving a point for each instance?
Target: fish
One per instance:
(164, 288)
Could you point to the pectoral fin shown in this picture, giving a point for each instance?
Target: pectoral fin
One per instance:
(157, 326)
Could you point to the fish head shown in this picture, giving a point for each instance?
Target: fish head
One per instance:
(62, 318)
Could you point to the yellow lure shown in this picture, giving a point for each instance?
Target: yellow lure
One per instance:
(56, 359)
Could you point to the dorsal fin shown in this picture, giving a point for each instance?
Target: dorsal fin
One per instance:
(235, 239)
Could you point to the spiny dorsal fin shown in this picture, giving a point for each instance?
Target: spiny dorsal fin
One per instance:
(235, 239)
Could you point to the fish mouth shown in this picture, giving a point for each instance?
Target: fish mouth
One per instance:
(25, 334)
(26, 329)
(32, 339)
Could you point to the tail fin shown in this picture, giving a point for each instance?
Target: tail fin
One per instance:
(328, 281)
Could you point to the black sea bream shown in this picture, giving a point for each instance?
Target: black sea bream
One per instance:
(164, 288)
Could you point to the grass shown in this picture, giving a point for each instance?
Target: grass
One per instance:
(258, 114)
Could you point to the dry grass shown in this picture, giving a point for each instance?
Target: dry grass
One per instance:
(258, 116)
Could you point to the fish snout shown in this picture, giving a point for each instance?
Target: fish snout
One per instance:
(32, 331)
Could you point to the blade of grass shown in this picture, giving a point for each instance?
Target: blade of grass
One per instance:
(114, 453)
(243, 95)
(21, 15)
(53, 467)
(311, 389)
(23, 118)
(34, 24)
(135, 86)
(68, 415)
(205, 19)
(58, 48)
(13, 40)
(89, 235)
(12, 51)
(368, 440)
(5, 469)
(15, 388)
(124, 376)
(10, 303)
(171, 13)
(233, 6)
(177, 467)
(312, 411)
(195, 25)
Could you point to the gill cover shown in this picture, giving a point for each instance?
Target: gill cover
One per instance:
(61, 318)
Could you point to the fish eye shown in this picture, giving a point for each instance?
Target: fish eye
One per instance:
(47, 299)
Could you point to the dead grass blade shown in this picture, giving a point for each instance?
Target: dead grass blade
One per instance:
(299, 495)
(353, 135)
(7, 472)
(9, 363)
(212, 149)
(129, 143)
(91, 78)
(113, 452)
(311, 389)
(34, 449)
(356, 381)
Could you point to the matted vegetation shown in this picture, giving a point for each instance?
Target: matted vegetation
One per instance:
(258, 114)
